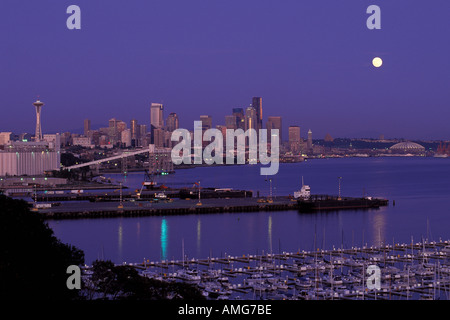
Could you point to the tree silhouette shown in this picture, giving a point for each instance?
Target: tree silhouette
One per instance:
(33, 262)
(125, 283)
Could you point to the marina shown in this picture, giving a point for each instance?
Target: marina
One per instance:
(417, 271)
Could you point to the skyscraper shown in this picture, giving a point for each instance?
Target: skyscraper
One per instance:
(158, 137)
(87, 127)
(294, 139)
(250, 119)
(274, 123)
(134, 128)
(230, 122)
(156, 121)
(38, 105)
(206, 122)
(257, 104)
(126, 137)
(172, 122)
(156, 115)
(240, 118)
(309, 142)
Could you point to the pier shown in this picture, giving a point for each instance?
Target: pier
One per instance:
(416, 271)
(155, 207)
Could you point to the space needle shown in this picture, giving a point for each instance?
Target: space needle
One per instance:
(38, 105)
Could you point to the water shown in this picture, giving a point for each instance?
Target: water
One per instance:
(419, 186)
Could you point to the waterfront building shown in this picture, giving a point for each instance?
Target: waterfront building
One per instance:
(5, 137)
(29, 158)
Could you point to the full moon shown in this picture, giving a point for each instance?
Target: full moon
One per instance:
(377, 62)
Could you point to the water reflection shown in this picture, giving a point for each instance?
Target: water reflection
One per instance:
(379, 228)
(164, 238)
(269, 232)
(120, 239)
(199, 238)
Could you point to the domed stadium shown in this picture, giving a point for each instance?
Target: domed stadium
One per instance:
(408, 146)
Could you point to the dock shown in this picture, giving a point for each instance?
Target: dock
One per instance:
(87, 209)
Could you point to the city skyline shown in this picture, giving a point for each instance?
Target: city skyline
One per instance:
(310, 62)
(132, 124)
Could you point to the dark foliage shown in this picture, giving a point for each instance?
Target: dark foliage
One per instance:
(125, 283)
(33, 262)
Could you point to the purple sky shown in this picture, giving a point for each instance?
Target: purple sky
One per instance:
(310, 61)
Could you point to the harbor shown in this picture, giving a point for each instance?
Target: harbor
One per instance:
(416, 271)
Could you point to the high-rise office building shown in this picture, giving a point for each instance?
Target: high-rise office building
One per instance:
(309, 141)
(121, 126)
(172, 122)
(230, 122)
(29, 158)
(158, 137)
(115, 128)
(257, 104)
(142, 130)
(250, 119)
(240, 118)
(134, 128)
(294, 139)
(156, 121)
(144, 137)
(112, 130)
(38, 135)
(156, 115)
(206, 122)
(274, 123)
(126, 138)
(87, 127)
